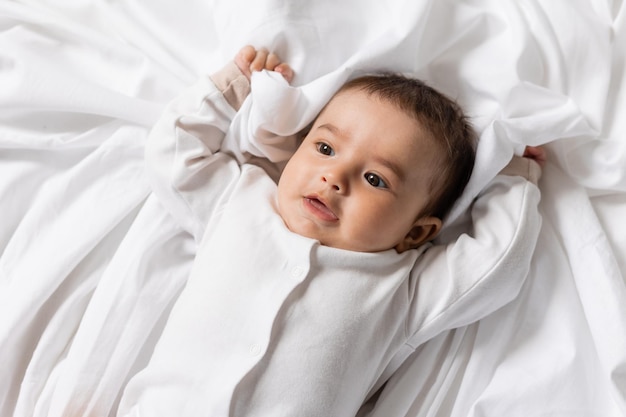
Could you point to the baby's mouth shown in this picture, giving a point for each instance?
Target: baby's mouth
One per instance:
(318, 208)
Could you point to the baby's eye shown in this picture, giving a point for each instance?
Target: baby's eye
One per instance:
(375, 180)
(325, 149)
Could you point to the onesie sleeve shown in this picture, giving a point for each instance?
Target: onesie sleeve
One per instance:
(456, 284)
(185, 170)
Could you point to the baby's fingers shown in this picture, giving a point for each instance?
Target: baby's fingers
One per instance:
(244, 59)
(285, 70)
(249, 59)
(260, 60)
(536, 153)
(273, 63)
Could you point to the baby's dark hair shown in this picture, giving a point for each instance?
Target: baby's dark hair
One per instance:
(443, 119)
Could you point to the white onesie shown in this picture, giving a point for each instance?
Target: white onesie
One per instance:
(271, 323)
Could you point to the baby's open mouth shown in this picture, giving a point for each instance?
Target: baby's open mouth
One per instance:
(319, 209)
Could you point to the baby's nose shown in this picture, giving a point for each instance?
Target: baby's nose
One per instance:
(335, 181)
(333, 184)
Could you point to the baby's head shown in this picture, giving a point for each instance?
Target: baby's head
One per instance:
(380, 168)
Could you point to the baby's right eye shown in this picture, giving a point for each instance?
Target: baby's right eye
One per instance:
(325, 149)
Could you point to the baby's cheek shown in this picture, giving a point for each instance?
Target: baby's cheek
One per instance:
(373, 231)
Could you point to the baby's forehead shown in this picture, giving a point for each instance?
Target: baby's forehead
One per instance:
(359, 94)
(356, 101)
(356, 97)
(383, 120)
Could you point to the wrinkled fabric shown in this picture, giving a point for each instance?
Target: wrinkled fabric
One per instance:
(82, 82)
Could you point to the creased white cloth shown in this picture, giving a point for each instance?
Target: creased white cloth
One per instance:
(81, 82)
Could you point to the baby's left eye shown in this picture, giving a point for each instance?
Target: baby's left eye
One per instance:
(375, 180)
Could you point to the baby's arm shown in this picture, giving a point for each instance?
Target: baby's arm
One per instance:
(234, 79)
(464, 281)
(184, 165)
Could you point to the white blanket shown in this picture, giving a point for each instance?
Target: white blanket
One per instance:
(90, 263)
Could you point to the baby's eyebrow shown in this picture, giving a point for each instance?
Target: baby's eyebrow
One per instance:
(332, 129)
(395, 168)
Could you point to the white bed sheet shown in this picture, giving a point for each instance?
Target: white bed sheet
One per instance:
(90, 263)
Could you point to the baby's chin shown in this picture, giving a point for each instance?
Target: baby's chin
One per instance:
(336, 242)
(334, 239)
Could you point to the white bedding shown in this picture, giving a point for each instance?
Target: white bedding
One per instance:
(90, 263)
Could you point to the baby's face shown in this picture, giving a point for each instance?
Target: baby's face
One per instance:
(360, 177)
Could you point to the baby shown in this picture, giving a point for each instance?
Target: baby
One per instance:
(307, 294)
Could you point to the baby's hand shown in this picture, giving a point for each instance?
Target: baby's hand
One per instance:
(249, 59)
(523, 167)
(537, 154)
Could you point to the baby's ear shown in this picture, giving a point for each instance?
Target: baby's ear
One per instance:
(423, 230)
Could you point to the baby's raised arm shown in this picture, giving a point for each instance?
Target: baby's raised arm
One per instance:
(185, 162)
(459, 283)
(233, 80)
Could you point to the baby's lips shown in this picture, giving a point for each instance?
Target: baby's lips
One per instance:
(320, 208)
